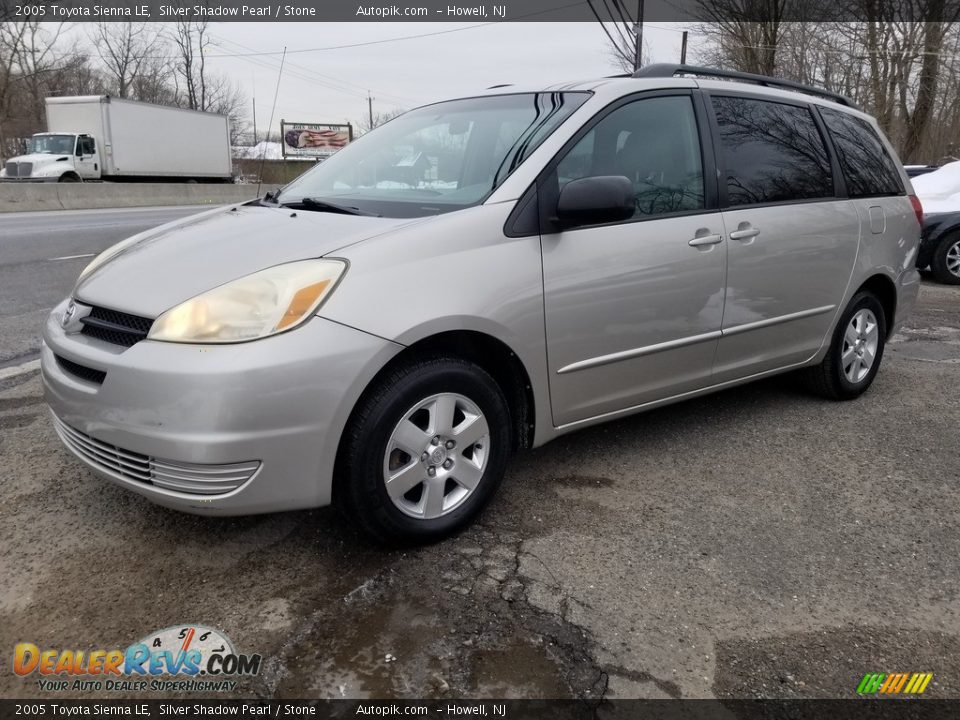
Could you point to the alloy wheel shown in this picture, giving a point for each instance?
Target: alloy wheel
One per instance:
(953, 259)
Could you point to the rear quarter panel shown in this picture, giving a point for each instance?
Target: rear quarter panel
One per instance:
(892, 252)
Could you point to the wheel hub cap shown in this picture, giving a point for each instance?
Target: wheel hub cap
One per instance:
(860, 343)
(436, 456)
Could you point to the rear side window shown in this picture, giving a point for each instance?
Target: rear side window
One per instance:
(867, 168)
(772, 152)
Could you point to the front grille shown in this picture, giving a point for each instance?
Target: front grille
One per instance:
(192, 478)
(104, 456)
(115, 327)
(81, 371)
(19, 169)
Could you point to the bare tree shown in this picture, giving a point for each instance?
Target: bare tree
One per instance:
(192, 38)
(379, 118)
(928, 77)
(77, 75)
(38, 60)
(746, 33)
(899, 61)
(124, 49)
(198, 87)
(154, 83)
(11, 38)
(31, 58)
(226, 98)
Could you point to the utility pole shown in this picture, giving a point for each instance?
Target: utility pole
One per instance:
(683, 49)
(253, 84)
(638, 33)
(370, 108)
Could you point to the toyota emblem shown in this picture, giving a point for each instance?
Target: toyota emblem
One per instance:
(68, 314)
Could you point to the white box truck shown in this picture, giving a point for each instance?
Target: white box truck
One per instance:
(99, 137)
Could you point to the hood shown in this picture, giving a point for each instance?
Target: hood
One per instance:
(180, 260)
(38, 158)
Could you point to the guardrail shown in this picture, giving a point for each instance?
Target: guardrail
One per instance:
(16, 197)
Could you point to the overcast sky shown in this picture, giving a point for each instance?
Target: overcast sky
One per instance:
(331, 85)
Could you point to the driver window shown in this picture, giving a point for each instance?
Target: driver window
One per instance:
(653, 142)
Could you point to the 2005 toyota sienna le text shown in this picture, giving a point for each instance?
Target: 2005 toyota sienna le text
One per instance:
(482, 275)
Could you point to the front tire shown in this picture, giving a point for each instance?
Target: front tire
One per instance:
(424, 451)
(856, 350)
(945, 263)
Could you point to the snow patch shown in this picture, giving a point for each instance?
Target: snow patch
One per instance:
(263, 149)
(939, 191)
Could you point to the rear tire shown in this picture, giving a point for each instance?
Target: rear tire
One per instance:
(856, 350)
(945, 263)
(437, 432)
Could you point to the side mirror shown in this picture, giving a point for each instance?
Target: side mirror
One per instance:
(595, 200)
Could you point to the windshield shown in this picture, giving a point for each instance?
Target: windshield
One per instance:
(438, 158)
(52, 144)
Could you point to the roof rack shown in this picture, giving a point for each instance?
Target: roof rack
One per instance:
(660, 70)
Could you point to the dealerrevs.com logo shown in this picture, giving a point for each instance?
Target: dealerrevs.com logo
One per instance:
(182, 658)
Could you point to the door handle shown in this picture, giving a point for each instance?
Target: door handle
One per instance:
(744, 233)
(706, 240)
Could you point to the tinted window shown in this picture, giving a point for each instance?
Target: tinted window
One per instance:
(653, 142)
(867, 168)
(772, 152)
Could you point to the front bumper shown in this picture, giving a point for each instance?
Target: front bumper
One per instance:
(171, 415)
(52, 179)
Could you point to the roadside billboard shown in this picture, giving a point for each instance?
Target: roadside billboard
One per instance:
(317, 141)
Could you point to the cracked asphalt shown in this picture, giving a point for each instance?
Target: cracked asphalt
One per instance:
(756, 543)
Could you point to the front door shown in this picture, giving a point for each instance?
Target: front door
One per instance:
(86, 161)
(634, 309)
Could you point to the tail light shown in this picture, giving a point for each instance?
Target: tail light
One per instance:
(917, 208)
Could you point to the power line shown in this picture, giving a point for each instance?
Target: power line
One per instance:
(330, 82)
(603, 26)
(621, 32)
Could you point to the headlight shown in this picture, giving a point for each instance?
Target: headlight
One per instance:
(110, 252)
(255, 306)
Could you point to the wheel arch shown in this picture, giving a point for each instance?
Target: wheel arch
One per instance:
(939, 262)
(492, 355)
(885, 290)
(488, 352)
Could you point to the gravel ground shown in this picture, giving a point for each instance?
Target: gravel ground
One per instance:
(756, 543)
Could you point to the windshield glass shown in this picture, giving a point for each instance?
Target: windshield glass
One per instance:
(438, 158)
(52, 144)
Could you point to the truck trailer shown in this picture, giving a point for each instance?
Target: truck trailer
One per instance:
(99, 137)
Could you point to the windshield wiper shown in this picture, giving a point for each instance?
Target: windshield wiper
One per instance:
(326, 206)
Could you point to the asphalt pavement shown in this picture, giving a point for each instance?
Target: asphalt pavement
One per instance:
(760, 542)
(41, 254)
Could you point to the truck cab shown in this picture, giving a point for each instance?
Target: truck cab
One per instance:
(56, 157)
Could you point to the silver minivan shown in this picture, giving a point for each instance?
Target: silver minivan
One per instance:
(483, 275)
